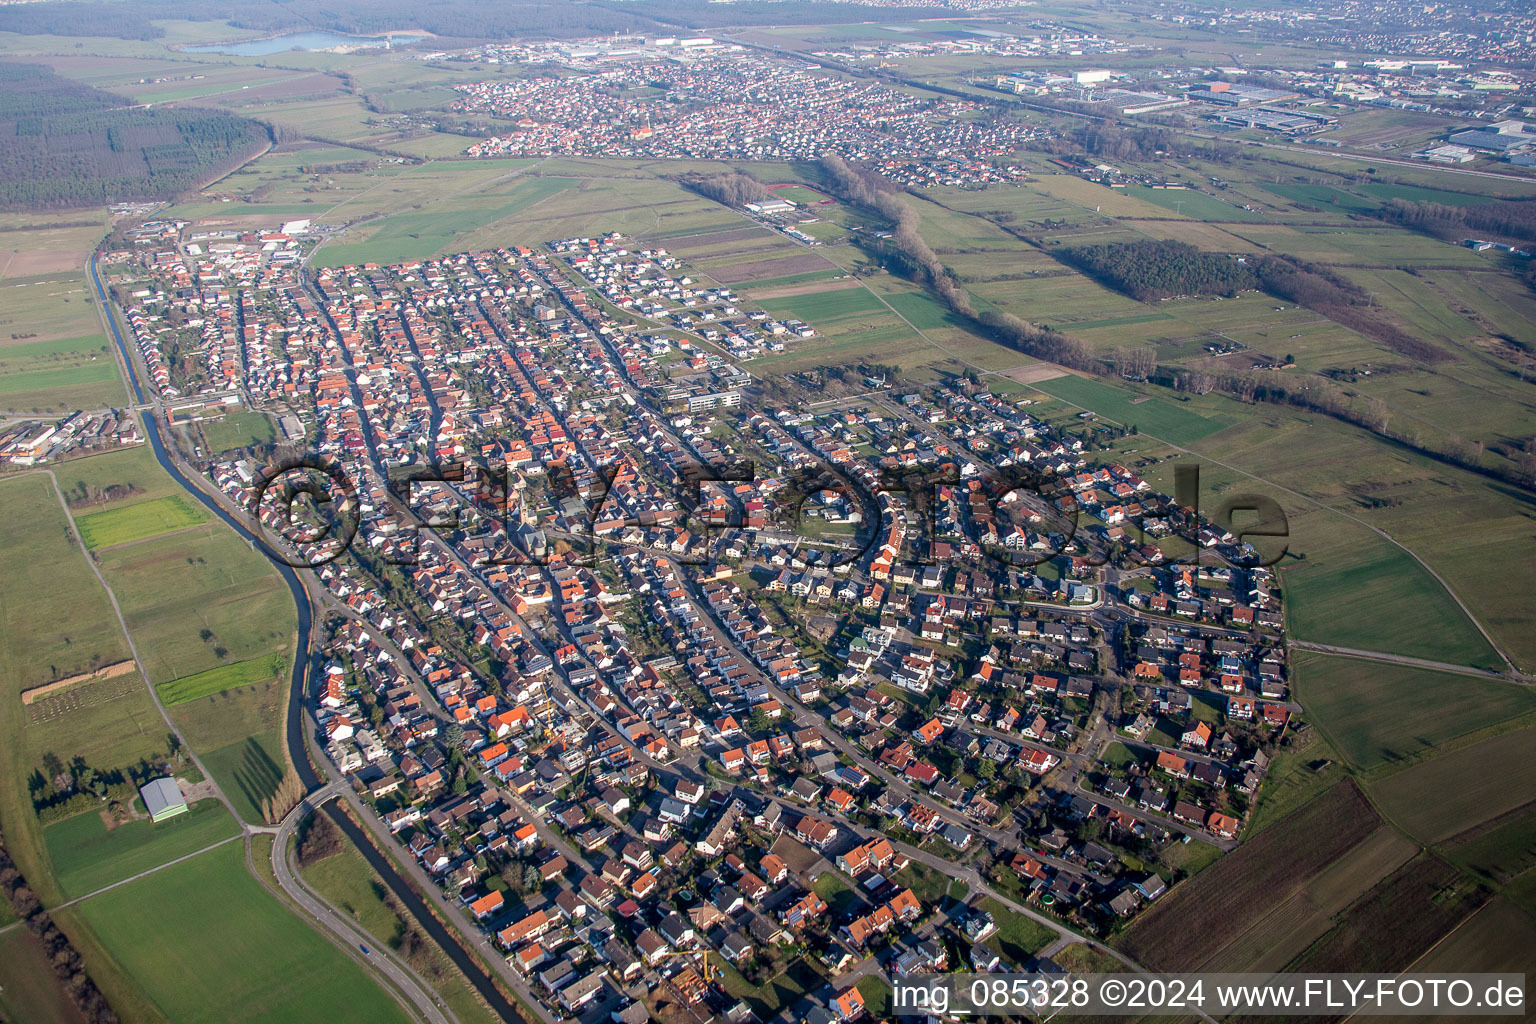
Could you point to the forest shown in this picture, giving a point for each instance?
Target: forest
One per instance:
(1160, 270)
(63, 144)
(1513, 219)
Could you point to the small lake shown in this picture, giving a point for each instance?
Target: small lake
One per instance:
(283, 44)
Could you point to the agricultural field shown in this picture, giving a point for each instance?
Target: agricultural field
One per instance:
(136, 522)
(1397, 921)
(217, 680)
(1272, 939)
(29, 990)
(1190, 925)
(204, 578)
(1349, 586)
(1188, 202)
(238, 735)
(1437, 799)
(236, 953)
(53, 356)
(1375, 713)
(57, 622)
(35, 247)
(1159, 417)
(1499, 938)
(88, 855)
(1500, 850)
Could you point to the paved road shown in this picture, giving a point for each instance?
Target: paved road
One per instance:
(299, 724)
(353, 939)
(1402, 659)
(133, 649)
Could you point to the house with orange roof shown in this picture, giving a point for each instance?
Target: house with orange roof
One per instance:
(929, 731)
(487, 905)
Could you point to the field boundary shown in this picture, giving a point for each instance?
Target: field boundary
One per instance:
(117, 668)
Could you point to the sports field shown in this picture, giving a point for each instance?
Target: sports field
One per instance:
(135, 522)
(226, 950)
(239, 430)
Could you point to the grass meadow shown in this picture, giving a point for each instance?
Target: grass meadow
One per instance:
(1375, 713)
(87, 855)
(227, 950)
(136, 522)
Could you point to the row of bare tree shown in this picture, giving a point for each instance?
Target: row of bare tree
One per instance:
(61, 955)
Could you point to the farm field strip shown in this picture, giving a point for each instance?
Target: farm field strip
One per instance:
(137, 522)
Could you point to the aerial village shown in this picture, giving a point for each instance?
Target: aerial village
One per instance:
(657, 728)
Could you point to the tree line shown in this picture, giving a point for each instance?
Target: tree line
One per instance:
(1151, 270)
(1330, 294)
(1508, 218)
(56, 947)
(906, 253)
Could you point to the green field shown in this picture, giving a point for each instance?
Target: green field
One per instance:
(416, 235)
(133, 470)
(1375, 713)
(1189, 203)
(239, 430)
(135, 522)
(56, 621)
(1371, 595)
(1159, 417)
(226, 950)
(1437, 799)
(798, 194)
(171, 588)
(217, 680)
(87, 855)
(98, 371)
(1501, 850)
(53, 357)
(30, 992)
(239, 734)
(819, 308)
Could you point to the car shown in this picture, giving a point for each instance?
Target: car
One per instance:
(364, 949)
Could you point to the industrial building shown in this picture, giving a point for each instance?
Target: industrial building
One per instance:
(1231, 95)
(1290, 122)
(1499, 137)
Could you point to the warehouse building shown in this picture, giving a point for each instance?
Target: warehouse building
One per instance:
(163, 799)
